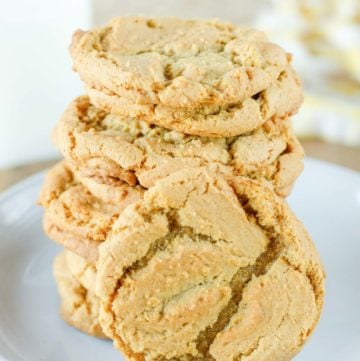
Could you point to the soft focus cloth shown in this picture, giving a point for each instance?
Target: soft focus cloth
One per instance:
(324, 36)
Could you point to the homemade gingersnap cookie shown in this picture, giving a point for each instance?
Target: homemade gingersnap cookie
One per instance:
(107, 149)
(207, 269)
(74, 216)
(79, 304)
(199, 77)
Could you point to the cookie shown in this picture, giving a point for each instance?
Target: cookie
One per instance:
(74, 216)
(79, 304)
(108, 148)
(208, 269)
(199, 77)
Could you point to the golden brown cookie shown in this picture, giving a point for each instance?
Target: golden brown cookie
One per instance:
(79, 304)
(203, 269)
(196, 76)
(109, 149)
(74, 216)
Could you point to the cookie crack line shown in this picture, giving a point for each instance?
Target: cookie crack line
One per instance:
(162, 244)
(309, 275)
(240, 280)
(237, 284)
(250, 351)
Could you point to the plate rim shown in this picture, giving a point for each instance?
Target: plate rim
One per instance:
(21, 185)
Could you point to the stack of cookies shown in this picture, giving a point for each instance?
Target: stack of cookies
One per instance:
(170, 199)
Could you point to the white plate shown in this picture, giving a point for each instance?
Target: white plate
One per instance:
(326, 198)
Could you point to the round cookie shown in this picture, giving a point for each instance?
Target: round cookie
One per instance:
(196, 76)
(74, 216)
(79, 304)
(109, 148)
(203, 269)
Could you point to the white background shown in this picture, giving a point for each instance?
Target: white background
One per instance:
(36, 80)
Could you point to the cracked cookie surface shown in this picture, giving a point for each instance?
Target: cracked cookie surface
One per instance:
(107, 148)
(74, 216)
(196, 76)
(207, 269)
(79, 304)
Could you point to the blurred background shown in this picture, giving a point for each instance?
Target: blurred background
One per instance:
(37, 82)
